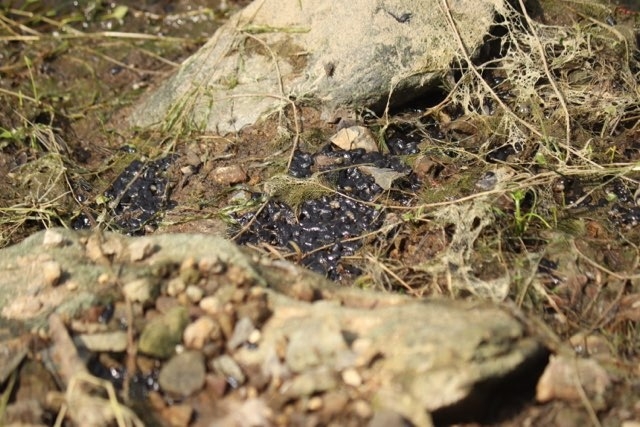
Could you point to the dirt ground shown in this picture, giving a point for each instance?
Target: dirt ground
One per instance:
(566, 235)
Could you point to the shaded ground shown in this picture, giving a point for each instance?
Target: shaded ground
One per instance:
(552, 223)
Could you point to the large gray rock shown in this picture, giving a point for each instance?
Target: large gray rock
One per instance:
(328, 53)
(403, 355)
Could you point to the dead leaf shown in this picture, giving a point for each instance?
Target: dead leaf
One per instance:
(384, 177)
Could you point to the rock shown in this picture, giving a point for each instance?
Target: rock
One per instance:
(161, 335)
(387, 418)
(51, 273)
(570, 378)
(228, 175)
(241, 333)
(353, 55)
(351, 377)
(108, 341)
(183, 374)
(52, 238)
(310, 382)
(225, 365)
(198, 333)
(194, 293)
(12, 351)
(141, 249)
(411, 357)
(355, 137)
(178, 415)
(141, 290)
(304, 353)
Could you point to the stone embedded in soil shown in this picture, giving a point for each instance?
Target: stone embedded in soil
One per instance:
(310, 382)
(143, 290)
(109, 341)
(198, 333)
(228, 175)
(225, 365)
(241, 333)
(183, 374)
(178, 415)
(161, 335)
(51, 273)
(570, 378)
(412, 357)
(355, 55)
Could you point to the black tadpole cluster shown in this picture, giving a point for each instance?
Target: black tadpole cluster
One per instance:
(136, 196)
(326, 229)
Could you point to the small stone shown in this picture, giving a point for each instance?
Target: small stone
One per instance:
(351, 377)
(310, 382)
(242, 331)
(362, 409)
(156, 400)
(211, 305)
(51, 273)
(72, 285)
(104, 279)
(211, 265)
(175, 286)
(228, 175)
(217, 384)
(558, 381)
(52, 239)
(387, 418)
(198, 333)
(161, 335)
(226, 366)
(178, 415)
(335, 402)
(140, 290)
(226, 322)
(141, 248)
(254, 337)
(189, 272)
(183, 374)
(102, 342)
(314, 403)
(194, 293)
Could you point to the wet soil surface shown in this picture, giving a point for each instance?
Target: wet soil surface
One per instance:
(570, 238)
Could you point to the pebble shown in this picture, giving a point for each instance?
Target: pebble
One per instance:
(140, 248)
(198, 333)
(211, 265)
(194, 293)
(161, 335)
(335, 402)
(51, 273)
(310, 382)
(387, 419)
(226, 366)
(189, 272)
(211, 305)
(362, 408)
(175, 286)
(140, 290)
(183, 374)
(52, 239)
(314, 403)
(351, 377)
(244, 328)
(178, 415)
(217, 384)
(109, 341)
(228, 175)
